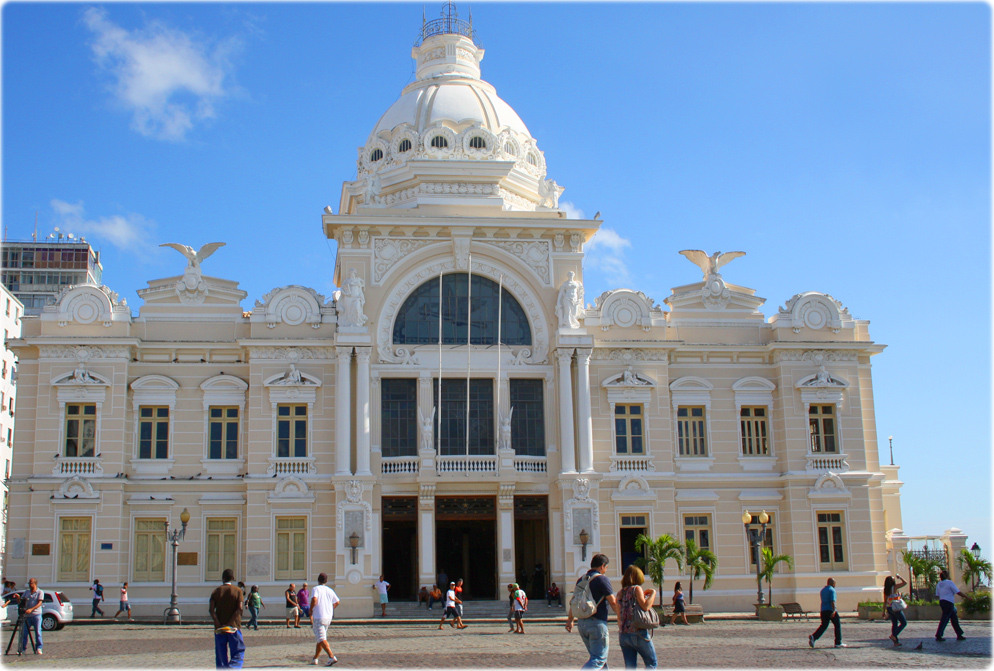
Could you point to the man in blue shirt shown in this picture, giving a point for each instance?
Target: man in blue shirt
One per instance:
(593, 630)
(828, 614)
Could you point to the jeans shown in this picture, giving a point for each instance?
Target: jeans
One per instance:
(34, 622)
(826, 617)
(897, 621)
(96, 608)
(253, 622)
(594, 634)
(948, 614)
(432, 600)
(558, 599)
(635, 645)
(229, 643)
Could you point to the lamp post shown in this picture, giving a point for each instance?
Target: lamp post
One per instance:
(756, 539)
(975, 549)
(890, 439)
(353, 544)
(172, 614)
(584, 539)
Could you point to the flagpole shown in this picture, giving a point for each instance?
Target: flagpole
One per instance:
(438, 411)
(500, 305)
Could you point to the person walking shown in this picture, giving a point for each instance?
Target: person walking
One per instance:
(292, 609)
(434, 596)
(829, 613)
(459, 595)
(382, 587)
(30, 603)
(323, 602)
(225, 608)
(511, 587)
(98, 596)
(946, 591)
(124, 606)
(635, 642)
(254, 603)
(679, 609)
(895, 610)
(520, 605)
(593, 630)
(451, 600)
(304, 601)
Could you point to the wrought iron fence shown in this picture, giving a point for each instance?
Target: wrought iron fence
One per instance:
(918, 584)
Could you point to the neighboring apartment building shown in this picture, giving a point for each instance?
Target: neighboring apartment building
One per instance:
(312, 435)
(37, 272)
(10, 317)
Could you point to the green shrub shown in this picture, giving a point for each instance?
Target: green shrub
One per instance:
(923, 602)
(977, 602)
(878, 605)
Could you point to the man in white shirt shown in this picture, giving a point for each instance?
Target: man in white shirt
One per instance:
(323, 602)
(450, 608)
(946, 592)
(382, 586)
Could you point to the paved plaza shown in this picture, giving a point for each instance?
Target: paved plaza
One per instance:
(734, 643)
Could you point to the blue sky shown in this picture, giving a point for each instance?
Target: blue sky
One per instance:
(844, 147)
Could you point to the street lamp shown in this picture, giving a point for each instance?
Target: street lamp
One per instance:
(172, 614)
(890, 439)
(756, 539)
(584, 539)
(353, 543)
(975, 550)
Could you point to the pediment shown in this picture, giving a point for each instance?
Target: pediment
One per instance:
(292, 305)
(822, 379)
(628, 378)
(87, 304)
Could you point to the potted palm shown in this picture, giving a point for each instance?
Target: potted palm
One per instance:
(768, 566)
(655, 554)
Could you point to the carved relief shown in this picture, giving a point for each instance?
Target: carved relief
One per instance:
(291, 353)
(817, 357)
(86, 304)
(626, 308)
(387, 252)
(291, 487)
(533, 253)
(813, 310)
(77, 488)
(83, 352)
(628, 355)
(292, 305)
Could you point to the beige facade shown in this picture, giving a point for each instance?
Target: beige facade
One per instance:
(288, 430)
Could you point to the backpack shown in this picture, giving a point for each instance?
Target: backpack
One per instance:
(581, 602)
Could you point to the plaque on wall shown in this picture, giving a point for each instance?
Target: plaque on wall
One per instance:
(186, 558)
(40, 549)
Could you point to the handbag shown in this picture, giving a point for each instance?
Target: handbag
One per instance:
(898, 604)
(644, 619)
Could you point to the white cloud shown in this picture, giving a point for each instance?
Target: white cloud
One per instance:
(606, 253)
(168, 80)
(131, 232)
(571, 210)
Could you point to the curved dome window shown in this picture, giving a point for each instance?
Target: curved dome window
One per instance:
(405, 145)
(477, 142)
(417, 320)
(509, 148)
(532, 159)
(375, 155)
(439, 142)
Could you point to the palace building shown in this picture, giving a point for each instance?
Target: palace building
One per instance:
(458, 406)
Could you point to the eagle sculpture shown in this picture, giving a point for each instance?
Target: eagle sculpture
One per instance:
(709, 264)
(194, 257)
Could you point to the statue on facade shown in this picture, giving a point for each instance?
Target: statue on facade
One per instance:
(352, 301)
(569, 306)
(504, 437)
(82, 376)
(191, 288)
(427, 424)
(292, 376)
(709, 264)
(630, 378)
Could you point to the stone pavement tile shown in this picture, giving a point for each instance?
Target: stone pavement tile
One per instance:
(729, 644)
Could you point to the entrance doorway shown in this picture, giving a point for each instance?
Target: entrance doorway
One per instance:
(466, 543)
(399, 543)
(630, 529)
(531, 544)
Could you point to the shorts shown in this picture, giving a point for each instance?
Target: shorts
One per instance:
(518, 614)
(292, 611)
(383, 598)
(124, 605)
(450, 611)
(320, 628)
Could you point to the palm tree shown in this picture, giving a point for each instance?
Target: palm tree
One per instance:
(975, 569)
(656, 553)
(769, 566)
(926, 568)
(699, 562)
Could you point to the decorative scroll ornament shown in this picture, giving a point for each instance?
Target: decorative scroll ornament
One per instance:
(291, 305)
(387, 252)
(77, 488)
(533, 253)
(353, 491)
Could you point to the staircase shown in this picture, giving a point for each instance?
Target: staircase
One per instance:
(472, 610)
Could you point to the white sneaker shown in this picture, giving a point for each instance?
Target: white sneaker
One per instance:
(314, 661)
(332, 661)
(841, 645)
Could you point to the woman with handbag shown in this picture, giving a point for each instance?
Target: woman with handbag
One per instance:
(634, 605)
(895, 607)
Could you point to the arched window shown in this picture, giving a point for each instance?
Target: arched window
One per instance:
(376, 155)
(439, 142)
(405, 145)
(417, 321)
(477, 142)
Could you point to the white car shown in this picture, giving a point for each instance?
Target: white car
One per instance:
(56, 611)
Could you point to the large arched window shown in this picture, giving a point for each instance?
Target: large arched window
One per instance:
(417, 321)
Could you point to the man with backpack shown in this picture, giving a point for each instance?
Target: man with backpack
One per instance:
(588, 608)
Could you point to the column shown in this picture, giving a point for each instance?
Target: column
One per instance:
(566, 411)
(427, 571)
(586, 422)
(505, 534)
(343, 401)
(362, 411)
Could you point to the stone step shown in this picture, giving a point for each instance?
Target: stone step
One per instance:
(471, 609)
